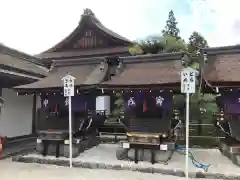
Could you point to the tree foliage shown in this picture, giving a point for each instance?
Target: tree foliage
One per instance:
(151, 45)
(117, 112)
(171, 28)
(174, 44)
(168, 41)
(158, 44)
(136, 49)
(196, 43)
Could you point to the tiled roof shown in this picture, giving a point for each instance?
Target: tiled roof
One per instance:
(11, 59)
(91, 74)
(160, 69)
(223, 64)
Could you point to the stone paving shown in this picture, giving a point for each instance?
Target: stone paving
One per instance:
(16, 148)
(21, 171)
(103, 157)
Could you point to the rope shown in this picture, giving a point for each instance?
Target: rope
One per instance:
(194, 161)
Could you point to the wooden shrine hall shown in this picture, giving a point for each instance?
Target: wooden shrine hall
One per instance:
(17, 68)
(221, 76)
(221, 66)
(89, 39)
(84, 53)
(88, 53)
(93, 53)
(100, 61)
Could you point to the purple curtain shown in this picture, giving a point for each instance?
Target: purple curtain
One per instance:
(231, 102)
(154, 99)
(79, 103)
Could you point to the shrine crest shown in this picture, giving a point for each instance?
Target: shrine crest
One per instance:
(66, 102)
(131, 101)
(159, 100)
(45, 102)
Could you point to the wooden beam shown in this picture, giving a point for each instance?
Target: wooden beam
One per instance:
(19, 74)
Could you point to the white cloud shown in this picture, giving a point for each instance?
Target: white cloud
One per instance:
(34, 26)
(222, 17)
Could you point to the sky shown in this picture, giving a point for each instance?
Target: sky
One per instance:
(34, 26)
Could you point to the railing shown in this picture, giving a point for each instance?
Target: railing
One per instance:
(202, 135)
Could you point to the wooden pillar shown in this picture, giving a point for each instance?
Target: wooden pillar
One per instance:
(34, 114)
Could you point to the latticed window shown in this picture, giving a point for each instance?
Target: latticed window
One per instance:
(88, 33)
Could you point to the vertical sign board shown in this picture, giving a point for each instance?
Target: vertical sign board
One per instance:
(188, 81)
(68, 90)
(188, 86)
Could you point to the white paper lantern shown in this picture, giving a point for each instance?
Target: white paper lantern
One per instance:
(103, 104)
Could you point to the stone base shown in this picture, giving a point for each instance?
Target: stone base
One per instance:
(64, 148)
(81, 147)
(225, 149)
(51, 149)
(143, 155)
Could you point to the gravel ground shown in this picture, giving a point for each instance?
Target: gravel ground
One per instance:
(105, 153)
(20, 171)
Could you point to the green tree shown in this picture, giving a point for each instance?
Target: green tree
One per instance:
(158, 44)
(173, 44)
(171, 28)
(118, 110)
(169, 41)
(136, 49)
(119, 105)
(150, 45)
(196, 43)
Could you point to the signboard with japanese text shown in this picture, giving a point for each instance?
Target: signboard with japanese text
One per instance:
(188, 81)
(68, 91)
(68, 85)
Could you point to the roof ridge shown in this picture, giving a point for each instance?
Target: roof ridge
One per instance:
(153, 57)
(89, 15)
(125, 59)
(89, 12)
(98, 23)
(97, 52)
(222, 49)
(19, 54)
(75, 62)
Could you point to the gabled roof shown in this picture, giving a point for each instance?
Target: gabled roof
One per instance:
(96, 52)
(87, 73)
(159, 69)
(18, 62)
(89, 36)
(223, 65)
